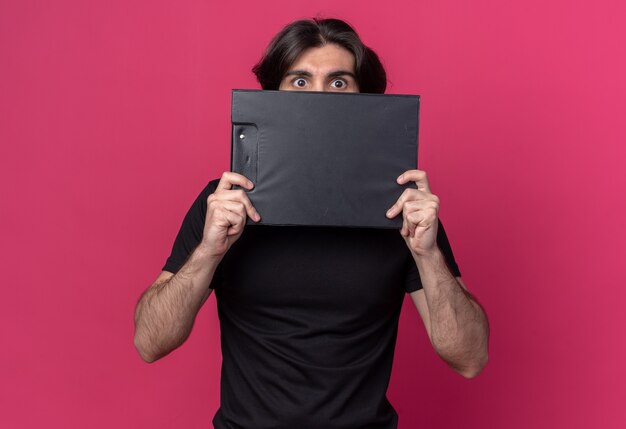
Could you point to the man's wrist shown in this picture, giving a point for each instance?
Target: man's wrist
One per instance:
(431, 256)
(433, 263)
(207, 253)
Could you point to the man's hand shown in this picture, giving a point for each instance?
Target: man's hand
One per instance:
(456, 324)
(166, 311)
(227, 211)
(420, 209)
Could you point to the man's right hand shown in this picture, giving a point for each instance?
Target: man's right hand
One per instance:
(227, 211)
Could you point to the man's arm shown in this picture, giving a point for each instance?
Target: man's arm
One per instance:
(166, 311)
(456, 324)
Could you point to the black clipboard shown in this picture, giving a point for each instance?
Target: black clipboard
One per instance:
(323, 158)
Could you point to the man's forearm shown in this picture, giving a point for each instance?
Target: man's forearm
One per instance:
(166, 312)
(459, 329)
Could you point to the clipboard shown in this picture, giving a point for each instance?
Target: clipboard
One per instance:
(324, 158)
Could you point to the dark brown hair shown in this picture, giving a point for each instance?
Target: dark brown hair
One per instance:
(298, 36)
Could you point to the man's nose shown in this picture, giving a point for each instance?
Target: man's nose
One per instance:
(318, 85)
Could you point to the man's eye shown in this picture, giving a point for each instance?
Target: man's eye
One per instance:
(300, 83)
(338, 84)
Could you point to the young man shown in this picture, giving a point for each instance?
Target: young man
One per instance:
(309, 316)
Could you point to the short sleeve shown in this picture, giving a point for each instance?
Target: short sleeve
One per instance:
(413, 281)
(190, 233)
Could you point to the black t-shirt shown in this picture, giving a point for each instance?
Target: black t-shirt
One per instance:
(308, 321)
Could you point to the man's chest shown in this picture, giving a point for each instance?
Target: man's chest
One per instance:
(342, 274)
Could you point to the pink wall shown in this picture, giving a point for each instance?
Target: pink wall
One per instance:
(114, 114)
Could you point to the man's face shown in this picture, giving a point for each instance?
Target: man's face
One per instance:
(328, 68)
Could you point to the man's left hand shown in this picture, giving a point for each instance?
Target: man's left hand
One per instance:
(419, 208)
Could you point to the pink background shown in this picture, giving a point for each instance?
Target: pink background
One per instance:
(115, 114)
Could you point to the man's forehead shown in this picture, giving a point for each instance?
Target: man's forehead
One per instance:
(325, 59)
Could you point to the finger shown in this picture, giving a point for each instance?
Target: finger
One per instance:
(414, 220)
(238, 196)
(418, 176)
(235, 207)
(239, 200)
(406, 224)
(425, 205)
(409, 218)
(236, 222)
(404, 231)
(244, 209)
(424, 218)
(230, 178)
(407, 195)
(220, 212)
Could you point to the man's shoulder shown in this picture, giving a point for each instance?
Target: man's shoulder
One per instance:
(210, 187)
(201, 199)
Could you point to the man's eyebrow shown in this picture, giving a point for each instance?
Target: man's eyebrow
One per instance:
(298, 73)
(338, 73)
(335, 73)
